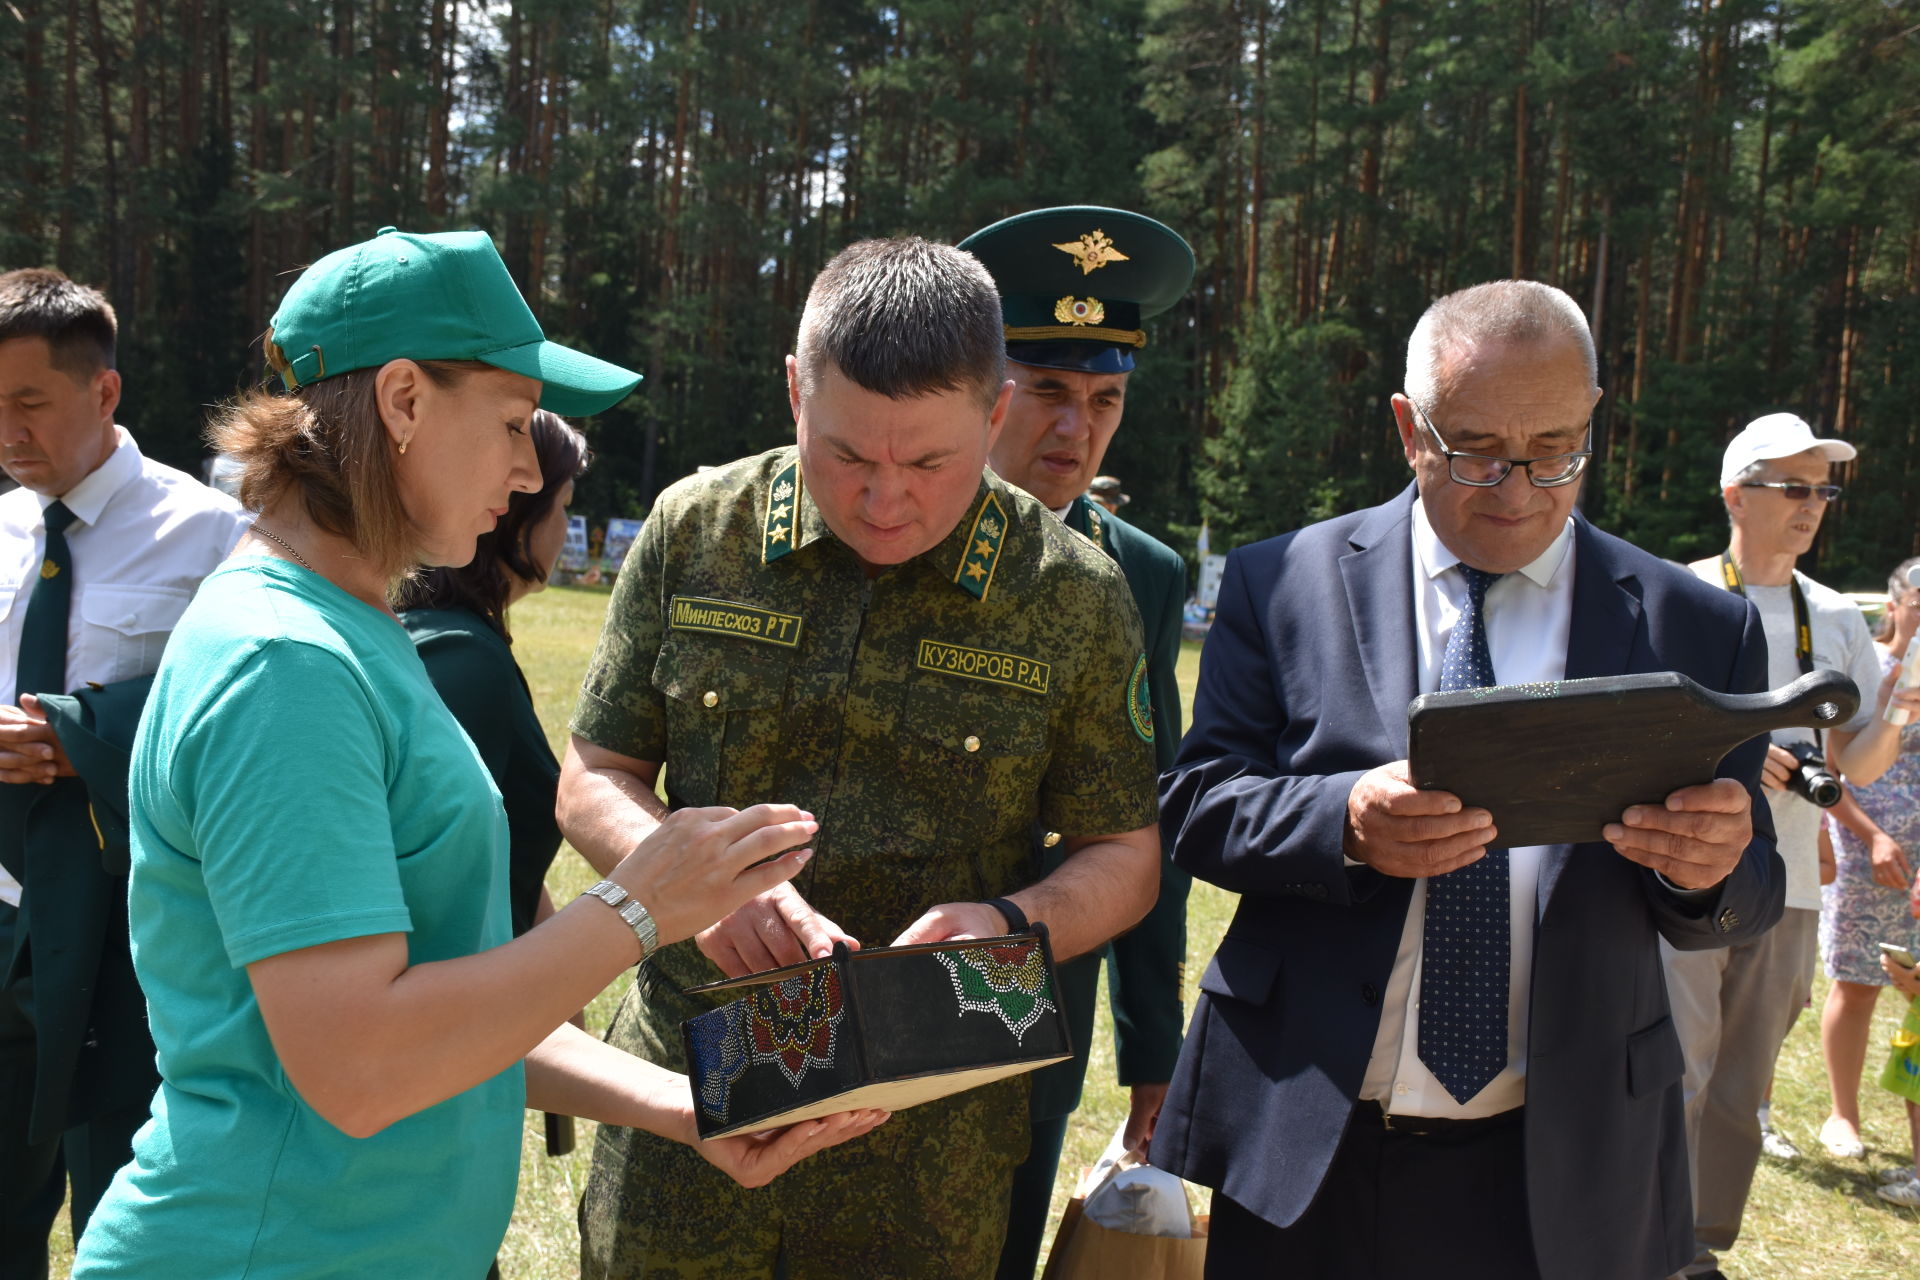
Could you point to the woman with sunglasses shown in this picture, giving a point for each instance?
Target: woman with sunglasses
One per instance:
(1875, 835)
(318, 897)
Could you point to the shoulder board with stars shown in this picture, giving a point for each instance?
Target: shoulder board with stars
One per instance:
(783, 513)
(984, 543)
(1096, 525)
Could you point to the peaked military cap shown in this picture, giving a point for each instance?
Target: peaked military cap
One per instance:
(1076, 281)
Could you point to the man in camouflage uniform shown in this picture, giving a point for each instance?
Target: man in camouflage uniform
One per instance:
(876, 628)
(1075, 285)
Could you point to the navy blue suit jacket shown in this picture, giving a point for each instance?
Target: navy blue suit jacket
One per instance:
(1304, 686)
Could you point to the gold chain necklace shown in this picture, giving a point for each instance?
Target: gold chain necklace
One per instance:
(271, 536)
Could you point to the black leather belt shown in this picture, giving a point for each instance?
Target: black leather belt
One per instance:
(1438, 1126)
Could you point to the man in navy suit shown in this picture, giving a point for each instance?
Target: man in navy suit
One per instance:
(1418, 1053)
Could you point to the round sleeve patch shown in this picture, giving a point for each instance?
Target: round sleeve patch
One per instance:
(1140, 700)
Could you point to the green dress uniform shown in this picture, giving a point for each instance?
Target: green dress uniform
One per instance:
(1146, 962)
(931, 717)
(1076, 283)
(1146, 965)
(473, 670)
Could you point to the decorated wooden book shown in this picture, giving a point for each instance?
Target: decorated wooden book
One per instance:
(1556, 762)
(881, 1027)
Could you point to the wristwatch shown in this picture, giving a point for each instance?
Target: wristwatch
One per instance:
(636, 916)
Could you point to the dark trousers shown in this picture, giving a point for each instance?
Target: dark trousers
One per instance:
(1032, 1194)
(1446, 1205)
(34, 1175)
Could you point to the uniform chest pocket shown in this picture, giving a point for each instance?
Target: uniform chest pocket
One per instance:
(125, 629)
(723, 721)
(984, 754)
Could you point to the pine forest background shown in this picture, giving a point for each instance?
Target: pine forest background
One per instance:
(1730, 187)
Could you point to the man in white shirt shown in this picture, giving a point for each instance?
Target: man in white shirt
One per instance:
(1734, 1007)
(100, 550)
(1419, 1052)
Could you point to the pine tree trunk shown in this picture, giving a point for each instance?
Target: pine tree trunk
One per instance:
(440, 113)
(345, 227)
(104, 58)
(69, 139)
(33, 200)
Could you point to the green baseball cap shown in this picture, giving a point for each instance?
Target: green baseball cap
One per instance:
(442, 296)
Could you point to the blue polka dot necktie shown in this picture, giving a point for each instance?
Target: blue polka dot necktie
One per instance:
(1464, 950)
(41, 666)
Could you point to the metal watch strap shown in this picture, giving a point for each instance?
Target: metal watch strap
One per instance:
(1016, 918)
(631, 911)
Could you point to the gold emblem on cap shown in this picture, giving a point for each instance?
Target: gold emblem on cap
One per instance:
(1077, 311)
(1093, 251)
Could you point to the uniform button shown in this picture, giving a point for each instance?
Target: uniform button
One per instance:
(1369, 995)
(1399, 1088)
(1051, 839)
(710, 699)
(972, 743)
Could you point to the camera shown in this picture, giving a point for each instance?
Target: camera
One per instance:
(1810, 777)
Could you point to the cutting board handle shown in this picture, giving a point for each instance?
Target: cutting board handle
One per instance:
(1817, 700)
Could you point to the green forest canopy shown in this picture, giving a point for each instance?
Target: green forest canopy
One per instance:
(1730, 187)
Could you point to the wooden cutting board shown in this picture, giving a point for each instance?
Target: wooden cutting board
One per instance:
(1555, 762)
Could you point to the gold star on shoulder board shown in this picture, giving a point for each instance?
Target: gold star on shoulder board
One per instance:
(777, 534)
(976, 572)
(982, 548)
(779, 512)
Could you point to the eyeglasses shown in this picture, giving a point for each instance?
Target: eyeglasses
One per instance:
(1483, 472)
(1797, 492)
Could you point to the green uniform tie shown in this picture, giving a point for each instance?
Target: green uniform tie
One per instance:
(43, 639)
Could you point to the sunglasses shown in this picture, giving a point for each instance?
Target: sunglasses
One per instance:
(1797, 492)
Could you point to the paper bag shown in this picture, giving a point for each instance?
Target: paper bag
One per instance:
(1084, 1249)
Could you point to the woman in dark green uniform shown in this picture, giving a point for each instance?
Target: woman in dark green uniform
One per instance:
(457, 618)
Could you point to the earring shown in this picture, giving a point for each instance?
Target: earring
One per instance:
(403, 448)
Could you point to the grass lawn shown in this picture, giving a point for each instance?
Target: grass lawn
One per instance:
(1816, 1219)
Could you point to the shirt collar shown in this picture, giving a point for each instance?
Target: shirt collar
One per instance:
(88, 500)
(968, 554)
(1436, 557)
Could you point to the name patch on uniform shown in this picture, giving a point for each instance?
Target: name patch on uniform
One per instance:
(726, 618)
(983, 664)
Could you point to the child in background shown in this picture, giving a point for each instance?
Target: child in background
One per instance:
(1902, 1076)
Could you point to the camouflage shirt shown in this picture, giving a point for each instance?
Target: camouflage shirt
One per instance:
(928, 716)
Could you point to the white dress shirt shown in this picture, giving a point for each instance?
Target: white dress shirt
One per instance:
(143, 536)
(1527, 617)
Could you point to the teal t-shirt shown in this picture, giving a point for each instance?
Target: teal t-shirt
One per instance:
(296, 781)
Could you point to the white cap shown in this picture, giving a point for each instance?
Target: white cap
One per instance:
(1778, 435)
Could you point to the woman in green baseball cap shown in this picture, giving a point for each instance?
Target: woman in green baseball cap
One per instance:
(319, 890)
